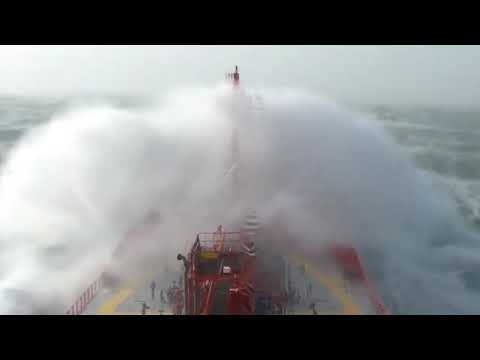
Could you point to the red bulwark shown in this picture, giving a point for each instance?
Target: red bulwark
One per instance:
(349, 258)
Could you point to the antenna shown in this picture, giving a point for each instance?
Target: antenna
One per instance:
(236, 77)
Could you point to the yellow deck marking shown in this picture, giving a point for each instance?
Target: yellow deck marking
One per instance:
(165, 313)
(110, 306)
(319, 313)
(335, 286)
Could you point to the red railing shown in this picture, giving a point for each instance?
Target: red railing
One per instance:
(86, 298)
(231, 240)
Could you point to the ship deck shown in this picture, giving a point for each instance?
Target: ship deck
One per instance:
(332, 293)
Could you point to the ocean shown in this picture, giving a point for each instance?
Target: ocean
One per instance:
(442, 144)
(445, 145)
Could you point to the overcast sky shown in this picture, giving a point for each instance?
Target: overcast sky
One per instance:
(404, 75)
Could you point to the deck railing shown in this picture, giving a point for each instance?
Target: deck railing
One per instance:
(86, 298)
(211, 241)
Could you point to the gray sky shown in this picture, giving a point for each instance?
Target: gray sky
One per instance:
(404, 75)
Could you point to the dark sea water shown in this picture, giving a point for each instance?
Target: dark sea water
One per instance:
(446, 145)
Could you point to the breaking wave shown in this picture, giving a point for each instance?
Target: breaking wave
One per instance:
(73, 187)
